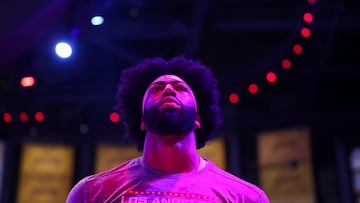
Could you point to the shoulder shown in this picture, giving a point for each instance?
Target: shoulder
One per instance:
(237, 186)
(85, 188)
(78, 193)
(121, 170)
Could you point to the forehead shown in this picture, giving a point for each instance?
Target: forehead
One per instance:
(168, 78)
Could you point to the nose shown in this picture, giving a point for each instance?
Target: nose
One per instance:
(169, 90)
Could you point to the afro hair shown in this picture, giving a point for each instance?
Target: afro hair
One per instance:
(135, 80)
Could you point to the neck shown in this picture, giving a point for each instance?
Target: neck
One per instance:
(171, 154)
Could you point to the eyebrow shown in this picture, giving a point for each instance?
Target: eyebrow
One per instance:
(170, 82)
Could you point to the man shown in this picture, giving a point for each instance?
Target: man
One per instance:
(170, 109)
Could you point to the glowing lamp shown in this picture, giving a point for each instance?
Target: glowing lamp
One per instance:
(311, 1)
(271, 77)
(253, 88)
(114, 117)
(97, 20)
(297, 48)
(39, 116)
(63, 50)
(308, 17)
(234, 98)
(23, 117)
(27, 81)
(305, 32)
(286, 64)
(7, 117)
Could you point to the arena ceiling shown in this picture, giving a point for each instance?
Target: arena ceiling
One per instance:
(240, 40)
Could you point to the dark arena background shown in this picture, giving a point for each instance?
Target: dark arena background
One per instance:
(288, 72)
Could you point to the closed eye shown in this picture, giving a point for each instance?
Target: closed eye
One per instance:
(181, 88)
(156, 88)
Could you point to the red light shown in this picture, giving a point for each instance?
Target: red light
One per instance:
(311, 1)
(27, 81)
(308, 17)
(23, 117)
(305, 32)
(39, 116)
(271, 77)
(234, 98)
(297, 49)
(286, 64)
(253, 88)
(7, 117)
(114, 117)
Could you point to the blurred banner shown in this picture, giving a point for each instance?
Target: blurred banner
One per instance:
(46, 173)
(284, 157)
(215, 151)
(110, 155)
(355, 168)
(2, 165)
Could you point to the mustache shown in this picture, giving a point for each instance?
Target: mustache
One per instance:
(169, 99)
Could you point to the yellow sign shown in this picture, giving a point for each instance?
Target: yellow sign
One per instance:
(215, 151)
(43, 189)
(283, 146)
(46, 173)
(291, 183)
(109, 155)
(47, 159)
(285, 165)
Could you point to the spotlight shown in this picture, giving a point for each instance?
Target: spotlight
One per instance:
(286, 64)
(271, 77)
(305, 32)
(63, 50)
(308, 17)
(297, 48)
(234, 98)
(7, 117)
(97, 20)
(114, 117)
(23, 117)
(27, 81)
(253, 88)
(39, 116)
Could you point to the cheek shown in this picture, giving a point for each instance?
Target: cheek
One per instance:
(150, 101)
(193, 101)
(190, 100)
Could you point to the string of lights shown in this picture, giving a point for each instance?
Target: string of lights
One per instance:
(286, 63)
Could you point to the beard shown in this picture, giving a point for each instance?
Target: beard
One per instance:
(170, 121)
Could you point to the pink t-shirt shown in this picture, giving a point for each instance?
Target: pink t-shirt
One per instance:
(134, 182)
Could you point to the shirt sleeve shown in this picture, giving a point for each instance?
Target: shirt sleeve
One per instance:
(263, 198)
(79, 193)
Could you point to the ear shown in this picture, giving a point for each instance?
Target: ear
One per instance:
(142, 125)
(197, 122)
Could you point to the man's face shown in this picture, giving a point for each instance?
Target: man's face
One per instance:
(169, 106)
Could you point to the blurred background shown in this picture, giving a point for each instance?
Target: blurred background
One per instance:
(288, 72)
